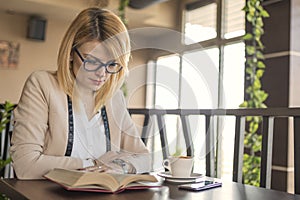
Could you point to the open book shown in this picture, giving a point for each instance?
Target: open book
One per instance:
(100, 182)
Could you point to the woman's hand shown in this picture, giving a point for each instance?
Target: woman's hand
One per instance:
(115, 169)
(118, 161)
(112, 162)
(105, 164)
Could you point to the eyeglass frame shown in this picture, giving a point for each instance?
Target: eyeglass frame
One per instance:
(99, 67)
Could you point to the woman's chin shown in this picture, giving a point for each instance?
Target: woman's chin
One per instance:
(95, 88)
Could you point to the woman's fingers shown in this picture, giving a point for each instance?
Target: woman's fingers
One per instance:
(101, 168)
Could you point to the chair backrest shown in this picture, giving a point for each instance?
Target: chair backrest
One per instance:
(5, 137)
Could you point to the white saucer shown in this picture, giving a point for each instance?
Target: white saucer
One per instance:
(168, 177)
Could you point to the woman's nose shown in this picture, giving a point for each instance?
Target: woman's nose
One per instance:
(101, 71)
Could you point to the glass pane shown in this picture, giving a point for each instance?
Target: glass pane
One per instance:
(167, 82)
(233, 75)
(199, 84)
(166, 97)
(199, 88)
(234, 18)
(233, 86)
(200, 24)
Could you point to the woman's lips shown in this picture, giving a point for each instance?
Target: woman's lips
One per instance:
(97, 82)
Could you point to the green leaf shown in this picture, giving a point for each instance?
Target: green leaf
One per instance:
(260, 44)
(249, 118)
(256, 84)
(264, 13)
(250, 50)
(261, 65)
(264, 97)
(248, 90)
(5, 115)
(248, 36)
(249, 70)
(259, 22)
(260, 55)
(259, 73)
(257, 119)
(263, 105)
(255, 127)
(249, 18)
(244, 104)
(3, 163)
(257, 32)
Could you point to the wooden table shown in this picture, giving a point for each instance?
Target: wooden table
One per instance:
(43, 189)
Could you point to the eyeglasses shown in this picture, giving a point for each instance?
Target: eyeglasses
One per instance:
(94, 64)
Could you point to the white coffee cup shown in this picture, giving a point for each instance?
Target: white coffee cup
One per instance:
(180, 166)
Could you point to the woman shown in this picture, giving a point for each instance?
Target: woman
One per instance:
(76, 118)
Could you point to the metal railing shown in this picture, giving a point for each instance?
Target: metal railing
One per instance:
(268, 121)
(268, 115)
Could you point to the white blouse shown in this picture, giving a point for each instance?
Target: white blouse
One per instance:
(89, 137)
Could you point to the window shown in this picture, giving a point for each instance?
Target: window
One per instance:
(199, 82)
(234, 19)
(200, 23)
(208, 75)
(168, 88)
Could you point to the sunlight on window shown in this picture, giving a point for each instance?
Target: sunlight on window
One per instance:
(196, 33)
(200, 24)
(200, 77)
(167, 79)
(233, 83)
(233, 75)
(234, 18)
(199, 84)
(167, 97)
(208, 79)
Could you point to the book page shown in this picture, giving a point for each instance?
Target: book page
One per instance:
(96, 178)
(77, 179)
(125, 179)
(112, 182)
(67, 177)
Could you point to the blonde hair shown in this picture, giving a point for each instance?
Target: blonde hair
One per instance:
(95, 24)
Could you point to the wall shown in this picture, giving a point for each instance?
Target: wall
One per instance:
(37, 55)
(42, 55)
(34, 55)
(281, 81)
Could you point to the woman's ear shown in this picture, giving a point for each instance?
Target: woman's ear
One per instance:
(71, 55)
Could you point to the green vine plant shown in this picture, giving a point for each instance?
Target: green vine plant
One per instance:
(5, 114)
(122, 6)
(255, 69)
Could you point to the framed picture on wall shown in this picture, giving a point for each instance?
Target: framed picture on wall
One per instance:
(9, 54)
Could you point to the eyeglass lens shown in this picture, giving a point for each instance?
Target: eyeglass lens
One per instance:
(94, 65)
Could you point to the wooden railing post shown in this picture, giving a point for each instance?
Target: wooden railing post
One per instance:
(163, 136)
(145, 131)
(297, 154)
(266, 152)
(209, 146)
(238, 153)
(187, 135)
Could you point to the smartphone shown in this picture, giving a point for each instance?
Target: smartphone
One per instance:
(204, 185)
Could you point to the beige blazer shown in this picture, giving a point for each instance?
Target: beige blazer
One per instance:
(40, 134)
